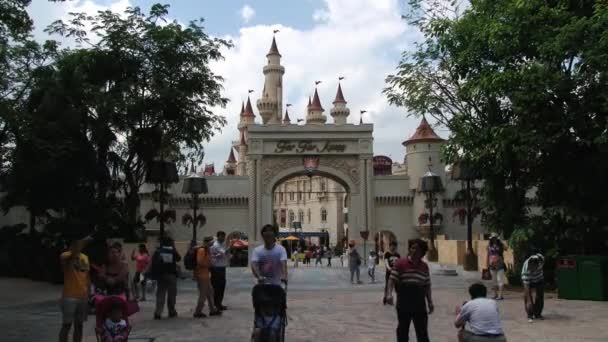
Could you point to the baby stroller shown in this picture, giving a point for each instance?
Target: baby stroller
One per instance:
(103, 308)
(270, 318)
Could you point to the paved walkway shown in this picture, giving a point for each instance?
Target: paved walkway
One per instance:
(323, 306)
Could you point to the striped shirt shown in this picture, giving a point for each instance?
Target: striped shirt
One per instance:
(412, 281)
(536, 276)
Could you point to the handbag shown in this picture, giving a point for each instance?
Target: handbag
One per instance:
(485, 274)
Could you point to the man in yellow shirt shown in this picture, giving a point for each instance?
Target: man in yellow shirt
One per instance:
(74, 307)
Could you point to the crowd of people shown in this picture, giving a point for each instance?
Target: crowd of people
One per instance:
(89, 285)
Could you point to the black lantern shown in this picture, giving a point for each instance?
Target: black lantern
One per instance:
(195, 185)
(430, 184)
(162, 172)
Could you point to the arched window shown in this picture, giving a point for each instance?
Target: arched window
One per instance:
(323, 215)
(301, 216)
(309, 215)
(292, 217)
(323, 185)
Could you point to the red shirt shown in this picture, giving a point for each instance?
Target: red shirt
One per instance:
(411, 282)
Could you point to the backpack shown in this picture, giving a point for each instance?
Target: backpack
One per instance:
(155, 266)
(190, 259)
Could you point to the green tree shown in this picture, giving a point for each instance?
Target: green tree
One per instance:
(522, 86)
(157, 79)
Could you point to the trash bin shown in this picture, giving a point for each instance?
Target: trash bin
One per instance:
(567, 278)
(593, 277)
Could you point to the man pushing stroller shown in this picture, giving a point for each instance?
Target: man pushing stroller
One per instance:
(269, 267)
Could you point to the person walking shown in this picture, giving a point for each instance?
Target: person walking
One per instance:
(202, 276)
(76, 282)
(496, 265)
(219, 262)
(410, 278)
(164, 269)
(478, 320)
(142, 260)
(269, 261)
(319, 256)
(307, 257)
(534, 286)
(371, 266)
(389, 260)
(329, 256)
(354, 262)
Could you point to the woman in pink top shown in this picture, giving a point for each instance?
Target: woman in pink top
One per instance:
(142, 260)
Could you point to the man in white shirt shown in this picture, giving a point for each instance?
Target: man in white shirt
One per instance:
(269, 261)
(479, 319)
(219, 262)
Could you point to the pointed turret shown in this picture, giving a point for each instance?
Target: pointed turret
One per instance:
(424, 133)
(242, 164)
(270, 104)
(242, 108)
(248, 111)
(315, 111)
(273, 48)
(340, 112)
(286, 120)
(230, 165)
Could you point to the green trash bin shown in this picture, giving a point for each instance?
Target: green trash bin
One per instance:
(593, 277)
(568, 286)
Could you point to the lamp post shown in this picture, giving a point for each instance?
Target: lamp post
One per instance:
(430, 184)
(162, 172)
(195, 185)
(464, 171)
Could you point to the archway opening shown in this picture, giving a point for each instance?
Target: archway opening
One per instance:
(312, 207)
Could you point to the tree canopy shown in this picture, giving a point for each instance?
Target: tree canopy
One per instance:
(523, 88)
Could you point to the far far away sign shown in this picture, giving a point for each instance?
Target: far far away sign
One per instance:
(308, 146)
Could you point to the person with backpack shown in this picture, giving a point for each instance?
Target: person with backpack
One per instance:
(164, 269)
(354, 262)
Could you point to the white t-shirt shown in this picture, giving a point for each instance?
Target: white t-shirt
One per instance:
(270, 262)
(482, 317)
(371, 262)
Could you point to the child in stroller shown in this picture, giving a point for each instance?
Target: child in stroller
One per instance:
(270, 307)
(112, 323)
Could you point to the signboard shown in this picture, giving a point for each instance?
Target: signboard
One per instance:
(308, 146)
(383, 165)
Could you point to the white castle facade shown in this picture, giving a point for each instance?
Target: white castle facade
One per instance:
(265, 178)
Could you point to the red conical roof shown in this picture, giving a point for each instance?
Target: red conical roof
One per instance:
(273, 48)
(316, 103)
(286, 118)
(424, 132)
(248, 109)
(339, 96)
(231, 158)
(309, 102)
(242, 108)
(209, 170)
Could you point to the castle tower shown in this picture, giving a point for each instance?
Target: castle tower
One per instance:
(423, 152)
(340, 112)
(230, 165)
(242, 164)
(315, 111)
(286, 120)
(271, 103)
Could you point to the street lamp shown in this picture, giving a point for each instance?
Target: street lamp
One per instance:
(195, 185)
(162, 172)
(430, 184)
(464, 171)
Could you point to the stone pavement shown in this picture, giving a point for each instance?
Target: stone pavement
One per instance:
(322, 306)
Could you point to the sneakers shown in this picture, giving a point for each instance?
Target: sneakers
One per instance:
(223, 307)
(199, 315)
(530, 320)
(540, 317)
(215, 313)
(173, 314)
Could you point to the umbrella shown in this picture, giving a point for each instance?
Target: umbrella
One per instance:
(239, 244)
(292, 238)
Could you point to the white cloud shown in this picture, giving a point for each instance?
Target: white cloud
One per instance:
(357, 39)
(247, 13)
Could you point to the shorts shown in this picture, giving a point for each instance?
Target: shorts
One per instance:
(498, 276)
(74, 310)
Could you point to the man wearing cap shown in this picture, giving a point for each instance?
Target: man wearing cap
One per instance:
(202, 276)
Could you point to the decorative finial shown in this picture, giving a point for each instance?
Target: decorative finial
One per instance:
(317, 83)
(275, 31)
(300, 120)
(288, 105)
(340, 78)
(250, 91)
(363, 111)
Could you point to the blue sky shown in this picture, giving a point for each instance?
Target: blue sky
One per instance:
(320, 40)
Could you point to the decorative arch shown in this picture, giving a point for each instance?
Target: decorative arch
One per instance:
(338, 175)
